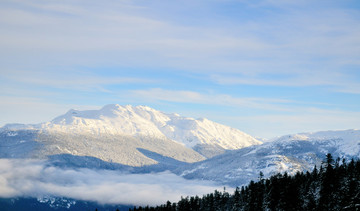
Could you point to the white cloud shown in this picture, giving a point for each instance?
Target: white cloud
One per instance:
(69, 79)
(184, 96)
(292, 44)
(34, 178)
(127, 34)
(335, 81)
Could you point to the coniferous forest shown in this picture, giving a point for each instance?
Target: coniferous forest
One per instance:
(335, 185)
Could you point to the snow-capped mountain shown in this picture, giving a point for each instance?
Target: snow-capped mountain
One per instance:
(290, 153)
(116, 133)
(345, 142)
(124, 137)
(145, 121)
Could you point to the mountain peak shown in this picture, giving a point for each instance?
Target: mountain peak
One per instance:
(143, 121)
(116, 108)
(111, 107)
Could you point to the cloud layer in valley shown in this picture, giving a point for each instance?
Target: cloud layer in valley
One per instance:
(33, 178)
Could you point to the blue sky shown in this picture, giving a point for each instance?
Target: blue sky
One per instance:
(265, 67)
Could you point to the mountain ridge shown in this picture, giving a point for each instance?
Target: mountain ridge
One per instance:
(289, 153)
(142, 137)
(115, 133)
(143, 121)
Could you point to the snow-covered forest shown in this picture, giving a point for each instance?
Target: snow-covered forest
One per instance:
(335, 185)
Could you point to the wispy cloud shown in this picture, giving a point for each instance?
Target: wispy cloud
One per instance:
(334, 81)
(73, 80)
(131, 34)
(229, 45)
(184, 96)
(32, 178)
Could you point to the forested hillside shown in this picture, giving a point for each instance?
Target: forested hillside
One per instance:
(335, 185)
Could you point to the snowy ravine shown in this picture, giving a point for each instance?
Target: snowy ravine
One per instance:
(124, 135)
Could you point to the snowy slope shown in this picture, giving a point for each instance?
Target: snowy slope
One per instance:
(141, 136)
(346, 142)
(206, 137)
(119, 149)
(121, 134)
(145, 121)
(291, 153)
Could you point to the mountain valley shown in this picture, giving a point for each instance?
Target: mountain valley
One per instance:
(141, 140)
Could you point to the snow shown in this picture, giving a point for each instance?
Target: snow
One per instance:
(119, 134)
(346, 141)
(290, 153)
(140, 136)
(8, 127)
(148, 122)
(56, 202)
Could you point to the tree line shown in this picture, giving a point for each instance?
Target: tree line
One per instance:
(335, 185)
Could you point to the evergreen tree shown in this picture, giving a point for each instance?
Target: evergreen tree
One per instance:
(335, 186)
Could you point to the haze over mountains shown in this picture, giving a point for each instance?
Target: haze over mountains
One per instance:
(139, 139)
